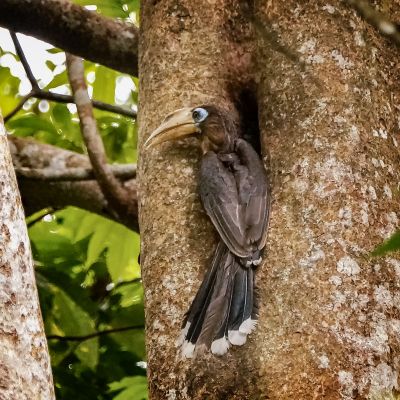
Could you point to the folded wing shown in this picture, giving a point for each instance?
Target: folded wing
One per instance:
(235, 195)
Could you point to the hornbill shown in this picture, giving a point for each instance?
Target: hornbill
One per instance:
(235, 194)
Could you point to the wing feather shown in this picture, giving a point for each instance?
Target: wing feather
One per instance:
(257, 197)
(219, 196)
(236, 197)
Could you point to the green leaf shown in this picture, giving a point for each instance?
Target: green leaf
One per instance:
(111, 8)
(9, 86)
(58, 80)
(121, 243)
(132, 341)
(122, 254)
(87, 225)
(52, 241)
(390, 245)
(32, 122)
(88, 352)
(61, 113)
(68, 130)
(104, 85)
(130, 294)
(70, 317)
(133, 388)
(72, 287)
(133, 6)
(54, 50)
(71, 320)
(98, 243)
(50, 65)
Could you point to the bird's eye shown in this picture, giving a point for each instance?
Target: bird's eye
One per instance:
(199, 114)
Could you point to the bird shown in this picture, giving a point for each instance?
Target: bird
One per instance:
(235, 194)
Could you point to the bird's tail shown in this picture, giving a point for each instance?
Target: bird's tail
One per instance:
(224, 310)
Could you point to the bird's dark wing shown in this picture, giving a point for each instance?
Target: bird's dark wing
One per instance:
(219, 195)
(254, 193)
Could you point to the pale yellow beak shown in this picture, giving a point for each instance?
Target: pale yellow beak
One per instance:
(177, 125)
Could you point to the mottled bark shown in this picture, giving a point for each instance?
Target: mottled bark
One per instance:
(328, 87)
(330, 320)
(37, 195)
(25, 371)
(76, 30)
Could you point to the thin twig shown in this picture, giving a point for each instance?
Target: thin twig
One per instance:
(112, 189)
(39, 217)
(377, 19)
(121, 171)
(41, 94)
(18, 107)
(65, 98)
(124, 283)
(24, 61)
(112, 287)
(94, 334)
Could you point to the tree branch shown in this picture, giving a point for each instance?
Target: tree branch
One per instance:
(123, 283)
(121, 171)
(37, 195)
(113, 191)
(60, 98)
(24, 61)
(65, 98)
(39, 217)
(73, 28)
(378, 20)
(18, 107)
(94, 334)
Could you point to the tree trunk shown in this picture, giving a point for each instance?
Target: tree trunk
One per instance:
(330, 321)
(328, 88)
(25, 371)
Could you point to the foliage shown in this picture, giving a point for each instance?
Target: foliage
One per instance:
(113, 8)
(86, 285)
(86, 266)
(390, 245)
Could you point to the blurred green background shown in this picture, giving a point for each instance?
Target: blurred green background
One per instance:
(86, 266)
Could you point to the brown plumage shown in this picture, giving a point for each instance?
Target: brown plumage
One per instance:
(235, 194)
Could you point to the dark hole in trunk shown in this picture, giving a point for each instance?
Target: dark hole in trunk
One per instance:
(247, 106)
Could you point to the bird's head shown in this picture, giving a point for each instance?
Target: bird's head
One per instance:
(208, 122)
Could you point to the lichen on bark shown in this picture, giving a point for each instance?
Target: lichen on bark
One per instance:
(329, 122)
(25, 371)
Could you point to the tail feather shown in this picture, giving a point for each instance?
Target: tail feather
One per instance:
(235, 317)
(195, 315)
(223, 311)
(256, 297)
(248, 324)
(241, 320)
(218, 309)
(205, 287)
(220, 343)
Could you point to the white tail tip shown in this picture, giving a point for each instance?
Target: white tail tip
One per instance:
(237, 338)
(188, 349)
(248, 326)
(220, 346)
